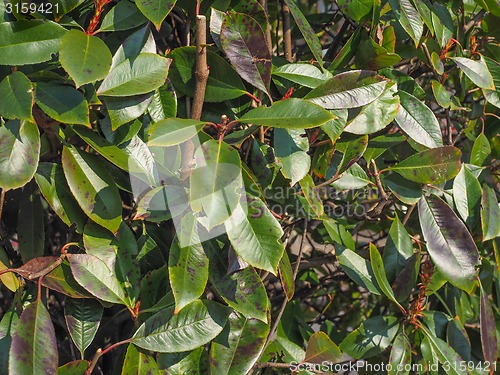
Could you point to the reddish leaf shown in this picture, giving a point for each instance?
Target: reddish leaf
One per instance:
(321, 348)
(488, 331)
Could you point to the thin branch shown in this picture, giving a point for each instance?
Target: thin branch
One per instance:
(330, 181)
(408, 214)
(287, 32)
(377, 180)
(269, 40)
(429, 59)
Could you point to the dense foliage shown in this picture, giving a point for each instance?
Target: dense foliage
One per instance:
(243, 186)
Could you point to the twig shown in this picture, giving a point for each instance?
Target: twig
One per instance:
(272, 364)
(449, 126)
(330, 181)
(287, 32)
(2, 199)
(377, 180)
(429, 59)
(99, 353)
(408, 214)
(269, 40)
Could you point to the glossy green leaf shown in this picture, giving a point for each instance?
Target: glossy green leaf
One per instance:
(85, 57)
(8, 279)
(93, 187)
(353, 152)
(195, 325)
(442, 22)
(63, 7)
(62, 103)
(83, 318)
(16, 91)
(467, 196)
(334, 128)
(480, 150)
(458, 339)
(8, 326)
(255, 235)
(187, 264)
(244, 44)
(490, 214)
(409, 18)
(311, 196)
(307, 32)
(398, 249)
(173, 131)
(351, 89)
(321, 349)
(73, 368)
(242, 289)
(400, 358)
(141, 41)
(372, 56)
(139, 362)
(238, 346)
(164, 103)
(61, 280)
(52, 183)
(446, 355)
(182, 363)
(358, 269)
(216, 19)
(96, 277)
(406, 191)
(291, 148)
(136, 75)
(216, 183)
(304, 74)
(339, 234)
(449, 242)
(119, 252)
(34, 347)
(123, 110)
(290, 113)
(155, 10)
(356, 9)
(437, 63)
(378, 114)
(29, 42)
(123, 16)
(488, 330)
(31, 230)
(441, 94)
(286, 276)
(162, 203)
(380, 276)
(223, 82)
(374, 335)
(418, 121)
(432, 166)
(477, 71)
(19, 153)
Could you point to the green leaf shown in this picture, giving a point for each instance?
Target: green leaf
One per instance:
(477, 71)
(136, 75)
(467, 196)
(490, 213)
(400, 358)
(372, 337)
(61, 7)
(418, 121)
(291, 148)
(29, 42)
(141, 41)
(16, 91)
(8, 326)
(242, 289)
(351, 89)
(182, 363)
(432, 166)
(223, 82)
(409, 18)
(52, 183)
(321, 349)
(378, 114)
(96, 277)
(73, 368)
(173, 131)
(62, 103)
(442, 22)
(441, 94)
(156, 204)
(93, 187)
(19, 153)
(8, 279)
(307, 32)
(31, 230)
(408, 192)
(216, 183)
(187, 264)
(85, 57)
(82, 319)
(358, 269)
(244, 44)
(286, 276)
(155, 10)
(123, 16)
(356, 9)
(488, 330)
(480, 150)
(311, 196)
(304, 74)
(372, 56)
(195, 325)
(437, 63)
(339, 234)
(61, 280)
(449, 243)
(139, 362)
(123, 110)
(398, 249)
(290, 113)
(255, 235)
(164, 103)
(119, 252)
(353, 152)
(458, 338)
(34, 347)
(380, 276)
(238, 347)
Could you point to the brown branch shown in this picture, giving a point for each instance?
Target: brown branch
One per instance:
(273, 365)
(269, 40)
(449, 126)
(330, 181)
(287, 32)
(377, 180)
(429, 59)
(408, 214)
